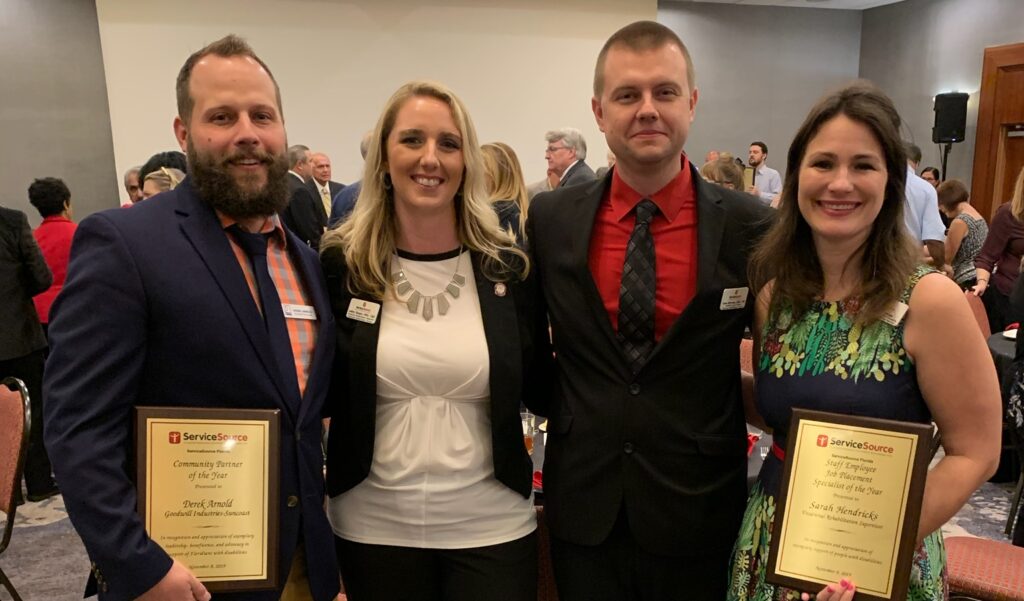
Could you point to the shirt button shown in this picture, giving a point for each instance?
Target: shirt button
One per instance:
(293, 501)
(628, 448)
(634, 389)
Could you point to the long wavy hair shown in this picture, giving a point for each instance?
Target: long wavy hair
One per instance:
(786, 256)
(505, 178)
(368, 237)
(1017, 200)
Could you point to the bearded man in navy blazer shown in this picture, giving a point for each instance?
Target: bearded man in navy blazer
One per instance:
(644, 275)
(171, 303)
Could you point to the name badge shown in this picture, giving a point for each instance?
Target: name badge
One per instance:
(734, 298)
(298, 311)
(363, 310)
(895, 314)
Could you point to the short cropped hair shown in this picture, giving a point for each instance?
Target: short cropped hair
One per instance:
(762, 146)
(951, 193)
(572, 138)
(638, 37)
(297, 155)
(913, 152)
(226, 47)
(49, 195)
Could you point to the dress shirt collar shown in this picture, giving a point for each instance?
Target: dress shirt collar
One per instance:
(271, 225)
(567, 170)
(669, 199)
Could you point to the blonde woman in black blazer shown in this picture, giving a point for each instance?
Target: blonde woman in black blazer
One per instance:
(440, 340)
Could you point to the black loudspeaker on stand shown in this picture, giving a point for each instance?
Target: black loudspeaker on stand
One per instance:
(950, 122)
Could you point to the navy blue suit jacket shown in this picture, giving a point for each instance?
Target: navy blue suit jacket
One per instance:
(156, 311)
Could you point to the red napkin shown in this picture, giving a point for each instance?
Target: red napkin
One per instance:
(538, 480)
(1012, 326)
(751, 441)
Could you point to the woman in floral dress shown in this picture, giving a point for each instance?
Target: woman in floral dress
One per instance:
(847, 322)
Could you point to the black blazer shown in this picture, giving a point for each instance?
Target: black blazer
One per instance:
(520, 369)
(669, 443)
(579, 173)
(314, 191)
(304, 216)
(23, 274)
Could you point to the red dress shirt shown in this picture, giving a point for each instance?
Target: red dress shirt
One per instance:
(54, 236)
(674, 228)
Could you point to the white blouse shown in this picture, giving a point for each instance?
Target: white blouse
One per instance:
(432, 484)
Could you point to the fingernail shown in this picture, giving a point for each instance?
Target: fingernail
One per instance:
(830, 588)
(844, 583)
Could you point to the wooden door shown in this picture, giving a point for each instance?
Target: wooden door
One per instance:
(998, 149)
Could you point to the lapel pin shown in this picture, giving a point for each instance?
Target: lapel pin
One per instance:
(500, 289)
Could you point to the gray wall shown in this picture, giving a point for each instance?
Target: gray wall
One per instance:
(53, 104)
(918, 48)
(760, 69)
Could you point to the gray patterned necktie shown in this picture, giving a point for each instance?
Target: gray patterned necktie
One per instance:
(636, 292)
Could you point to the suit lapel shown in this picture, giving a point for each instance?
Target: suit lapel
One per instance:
(710, 227)
(498, 312)
(200, 226)
(581, 212)
(309, 271)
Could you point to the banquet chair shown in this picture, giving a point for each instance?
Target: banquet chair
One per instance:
(984, 570)
(16, 418)
(747, 355)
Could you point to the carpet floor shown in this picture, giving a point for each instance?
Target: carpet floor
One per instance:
(47, 562)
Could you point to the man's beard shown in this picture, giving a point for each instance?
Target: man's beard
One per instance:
(241, 198)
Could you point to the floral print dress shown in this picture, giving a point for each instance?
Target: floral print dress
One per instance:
(825, 361)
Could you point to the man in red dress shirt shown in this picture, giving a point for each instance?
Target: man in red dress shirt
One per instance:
(644, 278)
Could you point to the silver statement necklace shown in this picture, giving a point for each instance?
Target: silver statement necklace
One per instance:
(403, 285)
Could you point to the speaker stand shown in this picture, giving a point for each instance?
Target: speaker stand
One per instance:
(945, 157)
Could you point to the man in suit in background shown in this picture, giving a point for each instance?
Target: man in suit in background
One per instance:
(199, 300)
(320, 184)
(644, 275)
(566, 155)
(304, 215)
(24, 274)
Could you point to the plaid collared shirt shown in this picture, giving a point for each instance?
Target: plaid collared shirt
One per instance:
(301, 332)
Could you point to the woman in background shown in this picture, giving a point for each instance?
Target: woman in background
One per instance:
(51, 197)
(966, 234)
(932, 176)
(439, 341)
(161, 180)
(829, 273)
(723, 172)
(506, 186)
(1000, 257)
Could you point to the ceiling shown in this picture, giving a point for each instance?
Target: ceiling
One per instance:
(838, 4)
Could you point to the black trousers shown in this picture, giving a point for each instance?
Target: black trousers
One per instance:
(619, 569)
(503, 572)
(29, 369)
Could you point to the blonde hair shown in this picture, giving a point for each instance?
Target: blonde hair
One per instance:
(505, 178)
(1017, 200)
(167, 178)
(368, 237)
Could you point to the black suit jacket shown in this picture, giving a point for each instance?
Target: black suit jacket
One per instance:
(668, 444)
(156, 311)
(314, 190)
(520, 369)
(579, 173)
(23, 274)
(304, 215)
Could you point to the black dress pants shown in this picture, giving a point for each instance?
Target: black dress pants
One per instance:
(619, 569)
(503, 572)
(29, 369)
